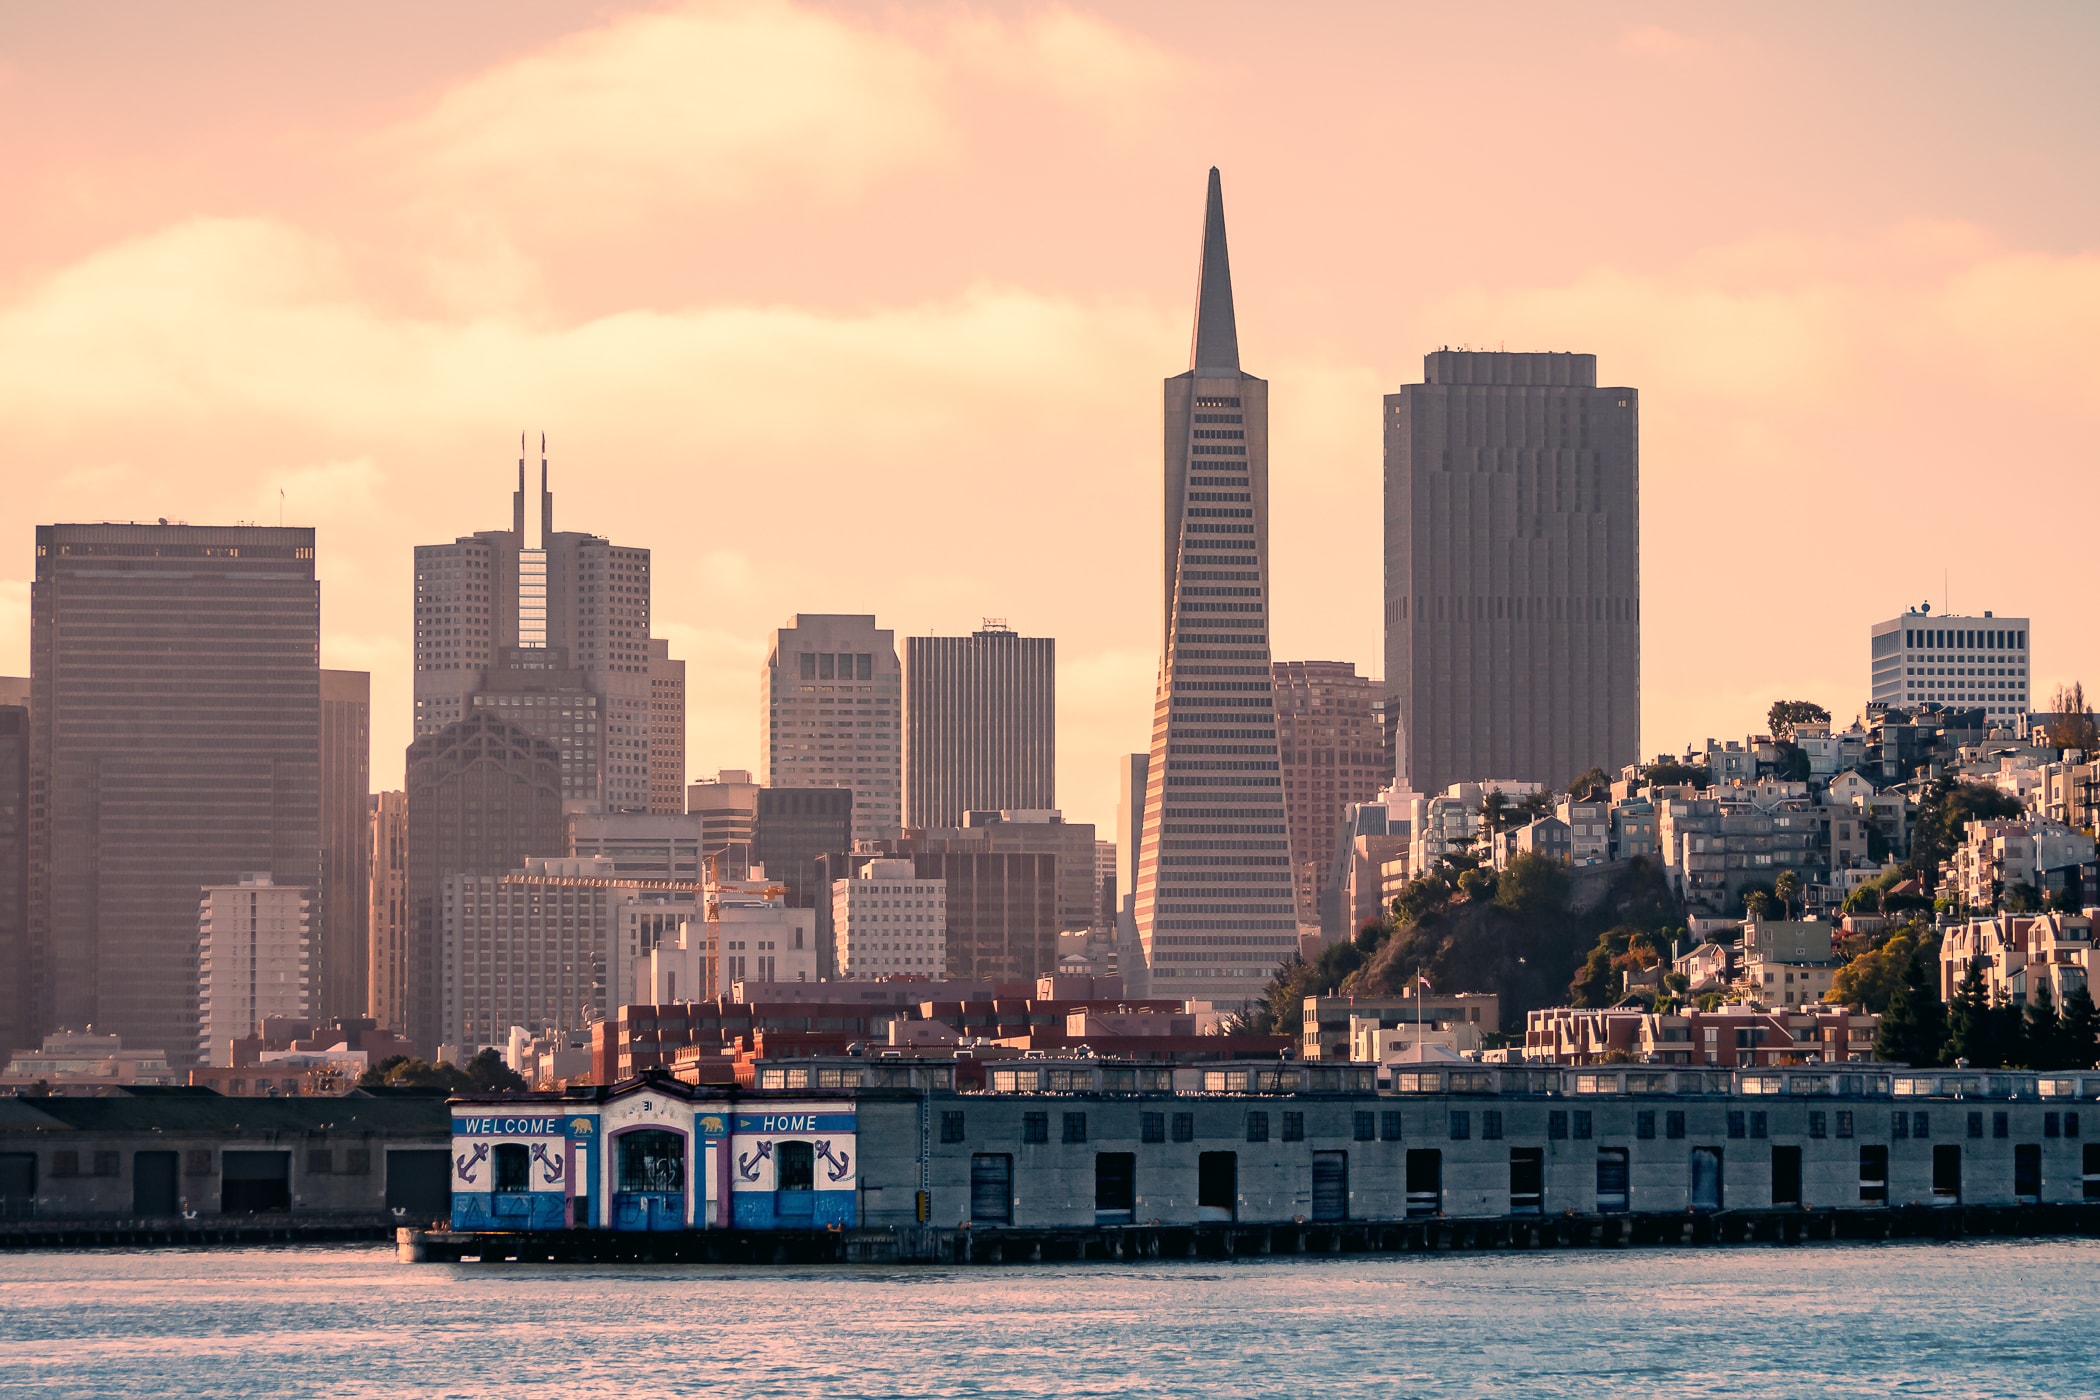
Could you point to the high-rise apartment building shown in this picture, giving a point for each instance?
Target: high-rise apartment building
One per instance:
(342, 916)
(1214, 910)
(1512, 570)
(1974, 662)
(559, 621)
(832, 693)
(175, 744)
(980, 725)
(16, 1019)
(554, 944)
(254, 959)
(387, 979)
(727, 806)
(1333, 754)
(483, 797)
(666, 730)
(889, 923)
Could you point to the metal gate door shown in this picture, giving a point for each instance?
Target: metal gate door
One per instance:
(991, 1189)
(1330, 1194)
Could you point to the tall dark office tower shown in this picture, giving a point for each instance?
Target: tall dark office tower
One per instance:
(483, 794)
(340, 959)
(487, 603)
(1512, 570)
(792, 829)
(980, 725)
(1001, 909)
(16, 1021)
(1213, 907)
(175, 697)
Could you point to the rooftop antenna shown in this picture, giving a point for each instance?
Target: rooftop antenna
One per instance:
(280, 507)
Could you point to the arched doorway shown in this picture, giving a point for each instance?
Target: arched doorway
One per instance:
(649, 1173)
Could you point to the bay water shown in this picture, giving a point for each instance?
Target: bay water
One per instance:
(1998, 1318)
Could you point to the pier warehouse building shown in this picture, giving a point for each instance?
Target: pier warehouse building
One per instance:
(860, 1144)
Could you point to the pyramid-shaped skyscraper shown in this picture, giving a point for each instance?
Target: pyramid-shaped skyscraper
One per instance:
(1213, 906)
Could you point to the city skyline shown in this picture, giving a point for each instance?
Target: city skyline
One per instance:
(979, 344)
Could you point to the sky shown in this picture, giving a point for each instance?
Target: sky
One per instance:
(865, 308)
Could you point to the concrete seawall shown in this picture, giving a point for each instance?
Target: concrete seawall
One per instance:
(1137, 1243)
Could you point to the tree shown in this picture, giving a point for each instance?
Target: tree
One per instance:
(486, 1073)
(1494, 812)
(1533, 886)
(408, 1072)
(2081, 1030)
(1982, 1028)
(1872, 979)
(1786, 714)
(1756, 903)
(1787, 889)
(1668, 772)
(1596, 782)
(2041, 1032)
(1422, 897)
(1914, 1028)
(2073, 725)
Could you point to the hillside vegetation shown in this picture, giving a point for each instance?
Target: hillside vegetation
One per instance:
(1523, 934)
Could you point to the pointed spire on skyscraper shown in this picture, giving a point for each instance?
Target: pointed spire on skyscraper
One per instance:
(1217, 340)
(546, 498)
(517, 500)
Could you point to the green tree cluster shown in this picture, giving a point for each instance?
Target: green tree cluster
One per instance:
(1786, 715)
(1671, 773)
(1602, 978)
(1985, 1031)
(485, 1073)
(1872, 979)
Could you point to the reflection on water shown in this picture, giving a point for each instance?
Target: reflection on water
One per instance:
(1990, 1319)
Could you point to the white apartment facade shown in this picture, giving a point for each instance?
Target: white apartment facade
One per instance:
(253, 960)
(886, 922)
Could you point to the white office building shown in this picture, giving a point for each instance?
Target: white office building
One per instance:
(253, 951)
(553, 945)
(886, 922)
(834, 702)
(1970, 662)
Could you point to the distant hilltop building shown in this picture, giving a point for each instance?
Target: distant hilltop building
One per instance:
(1512, 570)
(1970, 662)
(1213, 907)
